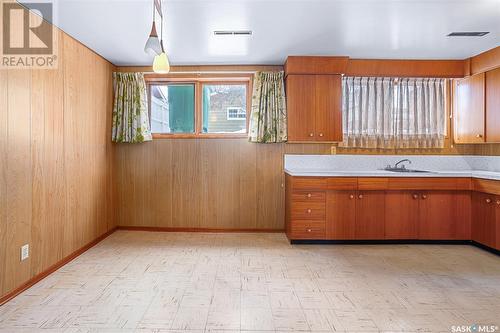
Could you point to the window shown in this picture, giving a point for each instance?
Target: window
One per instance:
(172, 108)
(236, 113)
(381, 112)
(198, 107)
(224, 108)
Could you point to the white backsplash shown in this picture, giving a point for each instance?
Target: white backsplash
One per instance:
(375, 162)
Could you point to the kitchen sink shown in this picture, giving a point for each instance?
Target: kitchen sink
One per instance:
(404, 170)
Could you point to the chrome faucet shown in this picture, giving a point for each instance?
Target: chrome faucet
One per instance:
(396, 166)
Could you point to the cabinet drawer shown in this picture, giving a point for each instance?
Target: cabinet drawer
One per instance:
(308, 230)
(308, 211)
(309, 183)
(308, 196)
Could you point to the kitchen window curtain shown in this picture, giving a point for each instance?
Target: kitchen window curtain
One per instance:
(130, 113)
(268, 116)
(394, 112)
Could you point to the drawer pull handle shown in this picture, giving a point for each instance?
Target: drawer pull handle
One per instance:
(309, 195)
(415, 196)
(498, 202)
(309, 230)
(309, 211)
(424, 196)
(351, 196)
(321, 134)
(311, 134)
(488, 200)
(360, 196)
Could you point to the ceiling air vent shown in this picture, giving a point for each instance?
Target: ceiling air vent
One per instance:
(468, 34)
(233, 32)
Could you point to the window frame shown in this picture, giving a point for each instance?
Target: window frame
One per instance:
(199, 80)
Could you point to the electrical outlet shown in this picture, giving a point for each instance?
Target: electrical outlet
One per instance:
(25, 252)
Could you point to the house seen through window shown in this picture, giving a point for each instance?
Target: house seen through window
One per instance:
(200, 107)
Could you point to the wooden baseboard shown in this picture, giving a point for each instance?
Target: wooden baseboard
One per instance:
(214, 230)
(53, 268)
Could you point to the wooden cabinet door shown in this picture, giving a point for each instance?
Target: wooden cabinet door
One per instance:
(497, 223)
(401, 214)
(328, 118)
(493, 105)
(370, 215)
(470, 109)
(340, 214)
(483, 219)
(445, 215)
(301, 107)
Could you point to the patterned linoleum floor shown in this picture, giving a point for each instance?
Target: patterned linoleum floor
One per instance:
(192, 282)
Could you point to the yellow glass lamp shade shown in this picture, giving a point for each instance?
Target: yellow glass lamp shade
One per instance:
(161, 64)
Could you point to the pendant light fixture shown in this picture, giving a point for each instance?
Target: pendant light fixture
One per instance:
(161, 64)
(153, 46)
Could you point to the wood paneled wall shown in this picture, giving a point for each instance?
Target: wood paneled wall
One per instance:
(200, 183)
(56, 154)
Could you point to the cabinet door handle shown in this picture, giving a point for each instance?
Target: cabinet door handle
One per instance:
(309, 211)
(415, 196)
(351, 196)
(424, 196)
(488, 200)
(479, 136)
(360, 196)
(309, 230)
(309, 195)
(321, 134)
(498, 202)
(311, 134)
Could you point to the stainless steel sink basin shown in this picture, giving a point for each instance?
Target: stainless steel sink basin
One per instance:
(404, 170)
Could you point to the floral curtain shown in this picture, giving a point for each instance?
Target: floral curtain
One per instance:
(130, 113)
(381, 112)
(268, 116)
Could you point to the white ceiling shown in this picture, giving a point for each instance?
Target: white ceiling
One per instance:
(118, 29)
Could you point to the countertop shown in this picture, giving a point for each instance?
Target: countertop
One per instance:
(303, 172)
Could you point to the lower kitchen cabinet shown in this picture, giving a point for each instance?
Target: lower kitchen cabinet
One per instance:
(340, 214)
(370, 215)
(343, 208)
(485, 209)
(444, 215)
(401, 214)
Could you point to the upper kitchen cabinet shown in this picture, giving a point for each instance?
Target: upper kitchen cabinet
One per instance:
(492, 82)
(314, 98)
(314, 106)
(470, 109)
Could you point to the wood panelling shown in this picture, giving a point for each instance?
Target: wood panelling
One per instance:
(492, 86)
(406, 68)
(485, 61)
(197, 183)
(55, 175)
(315, 65)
